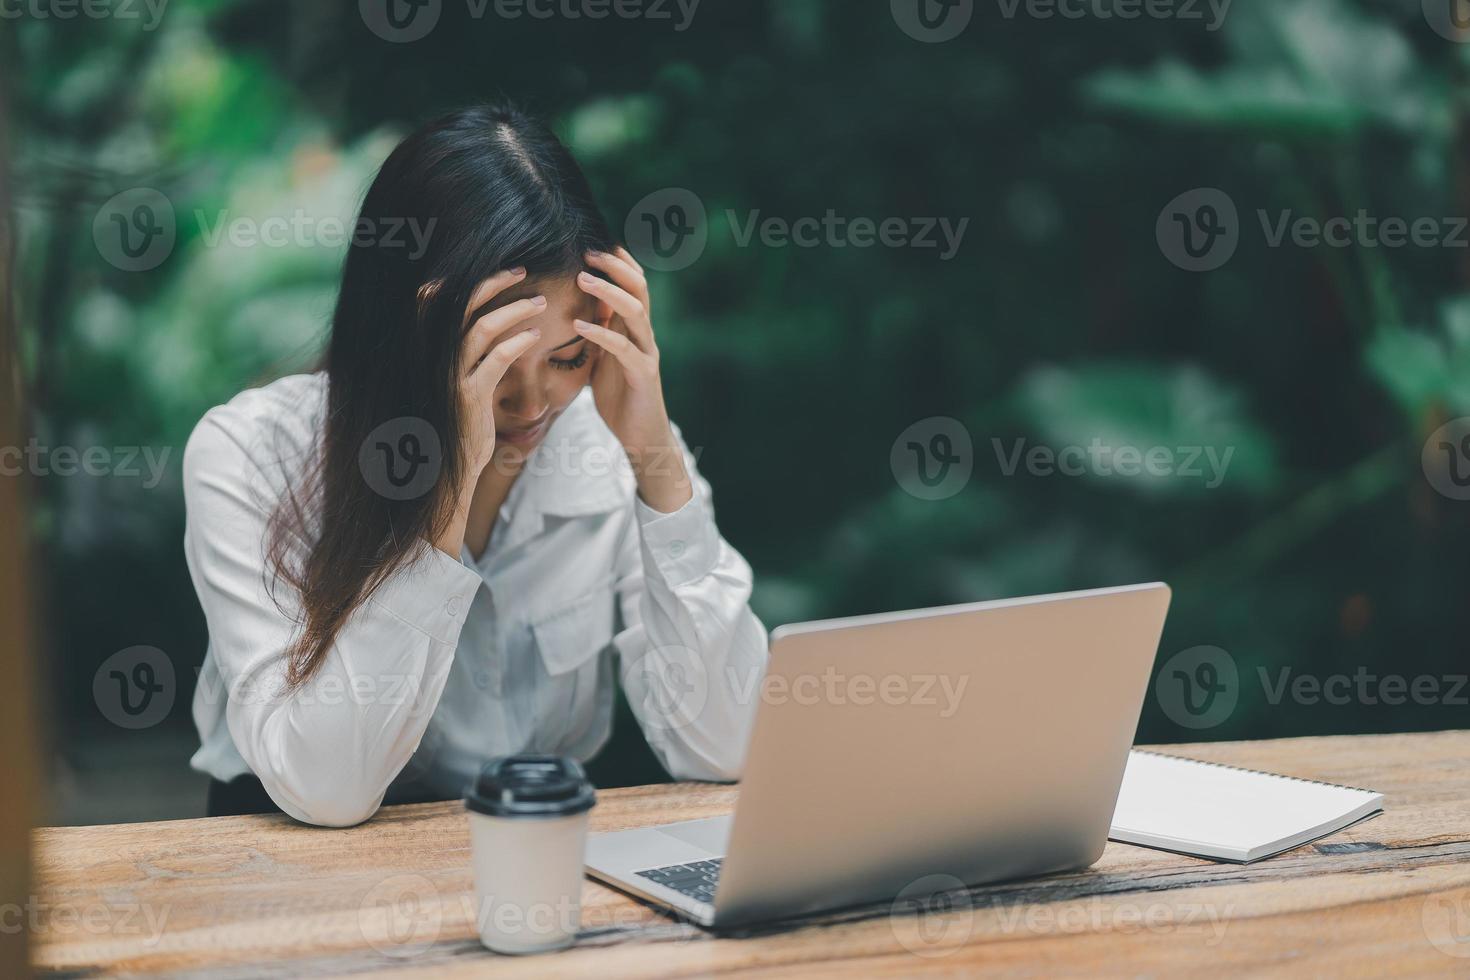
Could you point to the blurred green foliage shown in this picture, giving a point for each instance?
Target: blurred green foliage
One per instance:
(1059, 321)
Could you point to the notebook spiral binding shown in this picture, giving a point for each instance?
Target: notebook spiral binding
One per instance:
(1258, 772)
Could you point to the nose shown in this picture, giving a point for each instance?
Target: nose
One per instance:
(521, 398)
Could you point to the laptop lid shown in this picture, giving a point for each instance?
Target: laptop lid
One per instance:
(978, 742)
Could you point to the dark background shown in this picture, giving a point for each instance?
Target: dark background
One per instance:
(1326, 548)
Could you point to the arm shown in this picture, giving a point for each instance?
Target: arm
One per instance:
(693, 654)
(327, 751)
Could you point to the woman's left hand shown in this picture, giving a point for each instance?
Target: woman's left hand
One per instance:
(625, 380)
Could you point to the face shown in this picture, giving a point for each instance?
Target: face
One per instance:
(542, 382)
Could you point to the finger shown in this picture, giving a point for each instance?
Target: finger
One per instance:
(628, 276)
(627, 257)
(491, 288)
(633, 360)
(624, 304)
(489, 372)
(495, 323)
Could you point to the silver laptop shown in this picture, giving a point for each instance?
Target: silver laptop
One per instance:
(979, 742)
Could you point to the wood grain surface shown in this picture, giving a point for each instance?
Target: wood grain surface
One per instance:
(266, 897)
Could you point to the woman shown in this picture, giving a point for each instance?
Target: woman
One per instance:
(435, 550)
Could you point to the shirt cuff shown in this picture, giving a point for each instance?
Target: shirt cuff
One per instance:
(432, 594)
(684, 545)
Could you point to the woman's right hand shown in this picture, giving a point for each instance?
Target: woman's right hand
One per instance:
(484, 364)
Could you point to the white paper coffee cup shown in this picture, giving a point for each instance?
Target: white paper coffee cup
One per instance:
(528, 818)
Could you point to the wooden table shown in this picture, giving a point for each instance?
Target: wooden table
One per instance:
(263, 896)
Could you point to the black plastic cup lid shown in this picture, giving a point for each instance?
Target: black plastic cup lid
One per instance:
(531, 786)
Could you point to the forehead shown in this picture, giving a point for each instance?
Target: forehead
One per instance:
(565, 302)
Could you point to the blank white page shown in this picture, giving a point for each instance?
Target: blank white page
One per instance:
(1229, 814)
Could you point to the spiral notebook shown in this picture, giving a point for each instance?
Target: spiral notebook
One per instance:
(1226, 814)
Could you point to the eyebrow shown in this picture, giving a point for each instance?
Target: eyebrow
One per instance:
(574, 340)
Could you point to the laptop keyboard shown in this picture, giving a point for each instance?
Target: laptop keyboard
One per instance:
(696, 879)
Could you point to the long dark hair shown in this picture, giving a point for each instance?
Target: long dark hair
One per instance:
(494, 189)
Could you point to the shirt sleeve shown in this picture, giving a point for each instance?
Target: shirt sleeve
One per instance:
(326, 751)
(693, 654)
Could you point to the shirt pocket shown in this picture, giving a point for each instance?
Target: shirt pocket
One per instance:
(569, 637)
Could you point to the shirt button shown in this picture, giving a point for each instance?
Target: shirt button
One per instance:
(676, 547)
(451, 605)
(482, 679)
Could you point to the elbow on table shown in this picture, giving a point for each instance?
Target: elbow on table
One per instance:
(337, 814)
(713, 765)
(325, 806)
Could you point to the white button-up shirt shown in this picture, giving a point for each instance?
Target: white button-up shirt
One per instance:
(452, 662)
